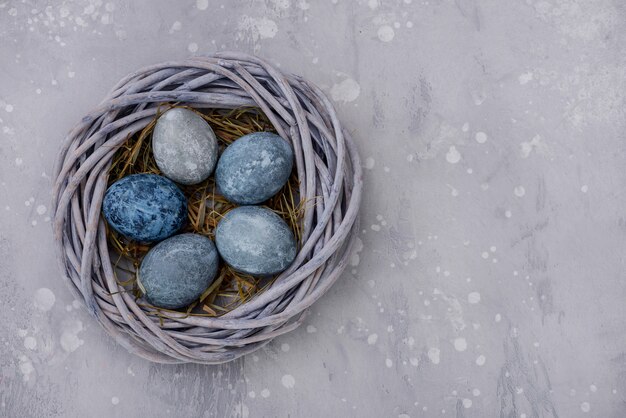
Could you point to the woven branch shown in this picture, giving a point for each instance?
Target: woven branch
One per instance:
(329, 173)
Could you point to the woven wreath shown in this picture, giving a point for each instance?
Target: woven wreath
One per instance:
(328, 170)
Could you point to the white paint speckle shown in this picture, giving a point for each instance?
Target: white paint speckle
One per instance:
(202, 4)
(69, 337)
(372, 339)
(44, 299)
(18, 161)
(593, 388)
(460, 344)
(480, 360)
(584, 188)
(288, 381)
(467, 403)
(481, 137)
(176, 26)
(434, 355)
(519, 191)
(473, 297)
(284, 347)
(386, 33)
(388, 363)
(115, 400)
(453, 156)
(26, 367)
(345, 91)
(525, 77)
(303, 5)
(192, 47)
(265, 393)
(41, 209)
(465, 127)
(8, 108)
(534, 144)
(585, 407)
(257, 28)
(498, 317)
(476, 392)
(373, 4)
(311, 329)
(508, 214)
(370, 163)
(30, 343)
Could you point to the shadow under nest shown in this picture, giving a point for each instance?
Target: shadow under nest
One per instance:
(205, 209)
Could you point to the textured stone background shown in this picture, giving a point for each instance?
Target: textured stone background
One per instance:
(490, 280)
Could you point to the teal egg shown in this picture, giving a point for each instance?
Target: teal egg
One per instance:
(175, 272)
(255, 240)
(254, 168)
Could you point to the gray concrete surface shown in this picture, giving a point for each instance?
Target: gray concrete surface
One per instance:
(490, 280)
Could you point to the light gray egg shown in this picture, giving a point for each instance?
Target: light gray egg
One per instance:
(255, 240)
(184, 146)
(176, 272)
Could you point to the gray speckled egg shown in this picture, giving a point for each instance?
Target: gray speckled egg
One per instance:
(184, 146)
(145, 207)
(254, 168)
(255, 240)
(175, 272)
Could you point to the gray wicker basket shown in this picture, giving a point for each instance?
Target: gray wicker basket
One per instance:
(328, 168)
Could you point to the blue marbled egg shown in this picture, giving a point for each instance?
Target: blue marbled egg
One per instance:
(175, 272)
(145, 207)
(255, 240)
(184, 146)
(254, 168)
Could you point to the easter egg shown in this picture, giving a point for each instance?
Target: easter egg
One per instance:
(254, 168)
(175, 272)
(184, 146)
(145, 207)
(255, 240)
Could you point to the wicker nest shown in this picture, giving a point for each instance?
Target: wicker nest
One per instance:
(329, 174)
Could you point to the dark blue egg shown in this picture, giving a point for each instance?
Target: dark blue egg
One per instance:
(255, 240)
(145, 207)
(176, 272)
(254, 168)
